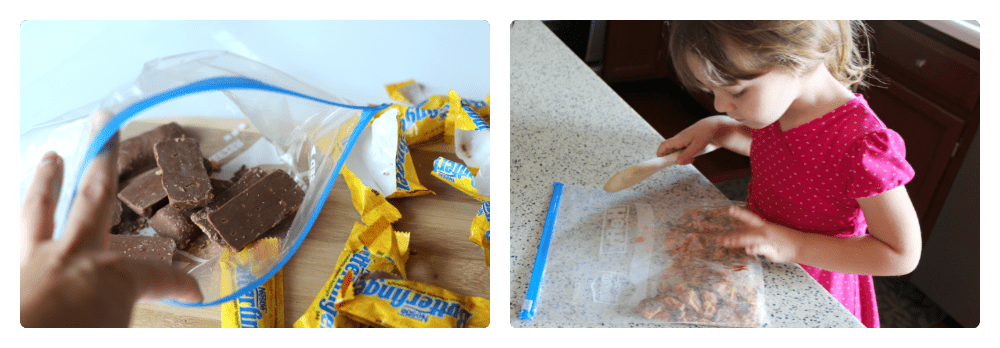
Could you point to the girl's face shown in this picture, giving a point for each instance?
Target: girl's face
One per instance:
(756, 103)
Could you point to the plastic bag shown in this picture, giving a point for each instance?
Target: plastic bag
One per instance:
(618, 257)
(279, 121)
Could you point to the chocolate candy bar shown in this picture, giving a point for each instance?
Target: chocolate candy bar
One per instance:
(250, 178)
(184, 175)
(257, 209)
(211, 166)
(144, 247)
(200, 218)
(116, 213)
(219, 186)
(174, 224)
(240, 172)
(145, 193)
(130, 223)
(135, 154)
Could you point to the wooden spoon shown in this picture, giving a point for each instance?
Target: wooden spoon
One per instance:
(639, 172)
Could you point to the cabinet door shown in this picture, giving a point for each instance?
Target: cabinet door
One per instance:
(636, 50)
(931, 135)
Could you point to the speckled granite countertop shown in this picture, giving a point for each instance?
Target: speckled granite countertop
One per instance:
(568, 126)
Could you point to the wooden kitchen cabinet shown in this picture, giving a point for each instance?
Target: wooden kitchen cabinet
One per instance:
(636, 50)
(929, 94)
(931, 135)
(932, 99)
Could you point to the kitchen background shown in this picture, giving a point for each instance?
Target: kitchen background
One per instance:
(927, 89)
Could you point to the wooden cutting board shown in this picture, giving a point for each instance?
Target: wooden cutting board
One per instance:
(441, 253)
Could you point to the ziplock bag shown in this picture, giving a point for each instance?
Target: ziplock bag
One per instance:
(266, 118)
(630, 258)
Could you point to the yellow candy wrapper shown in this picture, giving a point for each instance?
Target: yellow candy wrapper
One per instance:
(407, 183)
(382, 300)
(376, 236)
(422, 125)
(426, 119)
(461, 115)
(408, 91)
(262, 306)
(411, 92)
(482, 108)
(480, 230)
(369, 203)
(458, 176)
(369, 248)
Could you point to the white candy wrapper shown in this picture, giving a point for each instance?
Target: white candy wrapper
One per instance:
(473, 148)
(374, 158)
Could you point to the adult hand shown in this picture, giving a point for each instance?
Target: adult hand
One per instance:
(76, 281)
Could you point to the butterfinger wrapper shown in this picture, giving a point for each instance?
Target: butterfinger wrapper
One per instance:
(423, 119)
(458, 176)
(422, 125)
(385, 301)
(407, 183)
(369, 248)
(461, 115)
(409, 92)
(473, 148)
(369, 203)
(480, 230)
(480, 107)
(382, 159)
(412, 93)
(262, 306)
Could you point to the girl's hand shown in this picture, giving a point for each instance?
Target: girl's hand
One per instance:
(76, 281)
(758, 237)
(694, 138)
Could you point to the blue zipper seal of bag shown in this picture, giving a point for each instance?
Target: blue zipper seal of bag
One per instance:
(218, 84)
(528, 307)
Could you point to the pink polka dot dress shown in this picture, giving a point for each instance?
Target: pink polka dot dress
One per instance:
(809, 177)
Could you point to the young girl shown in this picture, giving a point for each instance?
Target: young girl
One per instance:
(825, 168)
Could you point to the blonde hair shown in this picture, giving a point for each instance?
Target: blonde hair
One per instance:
(743, 50)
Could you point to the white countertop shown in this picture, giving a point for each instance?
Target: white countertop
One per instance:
(568, 126)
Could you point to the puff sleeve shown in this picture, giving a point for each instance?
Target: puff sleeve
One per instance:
(876, 163)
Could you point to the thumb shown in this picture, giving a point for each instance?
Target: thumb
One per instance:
(745, 216)
(154, 280)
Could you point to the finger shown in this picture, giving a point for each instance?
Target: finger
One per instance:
(746, 216)
(40, 202)
(41, 198)
(89, 221)
(668, 146)
(144, 279)
(764, 250)
(737, 240)
(155, 280)
(696, 147)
